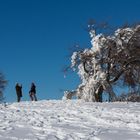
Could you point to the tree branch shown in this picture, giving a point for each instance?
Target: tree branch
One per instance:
(124, 69)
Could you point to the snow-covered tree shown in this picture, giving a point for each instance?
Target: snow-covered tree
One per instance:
(111, 59)
(3, 83)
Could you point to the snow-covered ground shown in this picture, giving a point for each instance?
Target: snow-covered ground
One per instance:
(69, 120)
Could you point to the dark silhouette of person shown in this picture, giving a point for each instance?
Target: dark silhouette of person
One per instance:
(18, 91)
(32, 92)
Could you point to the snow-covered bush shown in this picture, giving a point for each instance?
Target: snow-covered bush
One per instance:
(133, 98)
(110, 59)
(68, 94)
(130, 97)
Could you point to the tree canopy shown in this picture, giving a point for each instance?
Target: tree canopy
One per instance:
(3, 83)
(111, 59)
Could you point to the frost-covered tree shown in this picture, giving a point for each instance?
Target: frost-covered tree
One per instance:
(111, 59)
(3, 83)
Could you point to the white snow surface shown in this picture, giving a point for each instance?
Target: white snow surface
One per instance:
(69, 120)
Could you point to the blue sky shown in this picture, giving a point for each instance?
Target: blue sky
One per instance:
(35, 37)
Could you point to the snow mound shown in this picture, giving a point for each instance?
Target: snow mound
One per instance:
(69, 120)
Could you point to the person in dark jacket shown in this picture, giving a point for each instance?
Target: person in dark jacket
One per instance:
(32, 92)
(18, 91)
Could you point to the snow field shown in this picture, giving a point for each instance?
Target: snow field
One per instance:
(69, 120)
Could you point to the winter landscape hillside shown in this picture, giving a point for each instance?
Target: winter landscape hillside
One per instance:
(69, 120)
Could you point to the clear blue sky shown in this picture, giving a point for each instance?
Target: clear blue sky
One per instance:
(35, 36)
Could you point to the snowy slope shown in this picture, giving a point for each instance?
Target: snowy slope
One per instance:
(69, 120)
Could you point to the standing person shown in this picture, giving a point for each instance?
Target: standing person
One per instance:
(18, 91)
(32, 92)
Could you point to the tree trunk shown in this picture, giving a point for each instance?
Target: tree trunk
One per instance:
(98, 95)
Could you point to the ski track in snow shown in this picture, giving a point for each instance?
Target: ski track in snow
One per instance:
(69, 120)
